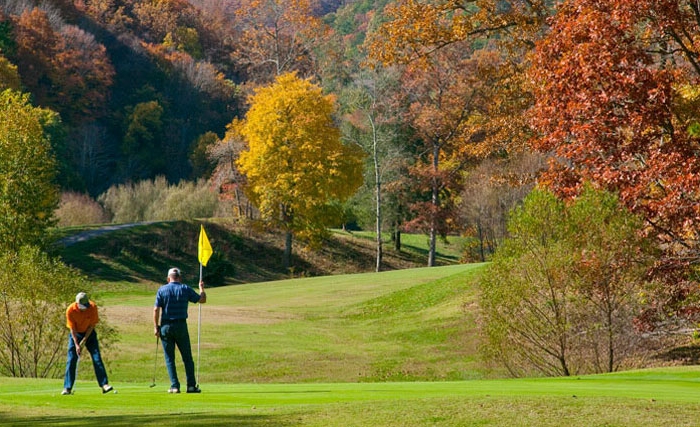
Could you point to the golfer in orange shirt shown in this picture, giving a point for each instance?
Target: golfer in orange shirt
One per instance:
(81, 318)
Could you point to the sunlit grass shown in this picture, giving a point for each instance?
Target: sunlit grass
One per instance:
(397, 325)
(642, 398)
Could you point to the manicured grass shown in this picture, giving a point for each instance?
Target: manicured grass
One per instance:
(642, 398)
(448, 251)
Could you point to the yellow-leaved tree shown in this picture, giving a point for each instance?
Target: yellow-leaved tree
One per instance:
(296, 166)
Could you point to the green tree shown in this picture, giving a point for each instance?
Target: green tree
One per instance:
(563, 291)
(28, 195)
(9, 78)
(202, 166)
(371, 122)
(295, 163)
(142, 144)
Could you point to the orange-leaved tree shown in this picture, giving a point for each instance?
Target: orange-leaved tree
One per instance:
(65, 69)
(473, 97)
(277, 36)
(295, 163)
(448, 100)
(617, 96)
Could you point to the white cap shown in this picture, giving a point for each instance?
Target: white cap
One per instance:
(82, 300)
(174, 272)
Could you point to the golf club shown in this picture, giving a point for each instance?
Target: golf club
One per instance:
(77, 363)
(155, 361)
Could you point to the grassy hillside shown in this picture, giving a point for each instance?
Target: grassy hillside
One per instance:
(390, 326)
(409, 323)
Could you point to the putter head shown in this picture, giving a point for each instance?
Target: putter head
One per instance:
(152, 385)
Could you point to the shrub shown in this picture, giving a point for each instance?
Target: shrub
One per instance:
(79, 209)
(561, 294)
(156, 200)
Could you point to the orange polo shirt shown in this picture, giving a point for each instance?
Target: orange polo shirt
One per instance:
(81, 320)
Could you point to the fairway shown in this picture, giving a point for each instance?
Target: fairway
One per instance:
(397, 348)
(640, 398)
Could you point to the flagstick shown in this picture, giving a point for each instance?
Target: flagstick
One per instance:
(199, 325)
(204, 251)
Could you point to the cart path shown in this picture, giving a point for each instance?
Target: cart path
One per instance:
(89, 234)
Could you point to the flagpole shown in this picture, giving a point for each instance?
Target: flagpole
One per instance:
(204, 251)
(199, 325)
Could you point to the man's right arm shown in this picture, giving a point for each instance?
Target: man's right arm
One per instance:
(156, 318)
(202, 294)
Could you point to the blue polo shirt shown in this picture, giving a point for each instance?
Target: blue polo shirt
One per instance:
(173, 299)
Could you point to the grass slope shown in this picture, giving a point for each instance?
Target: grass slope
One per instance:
(142, 254)
(396, 325)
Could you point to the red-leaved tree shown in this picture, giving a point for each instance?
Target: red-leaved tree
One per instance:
(615, 83)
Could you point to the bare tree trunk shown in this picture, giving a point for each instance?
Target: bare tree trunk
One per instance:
(378, 194)
(287, 257)
(379, 228)
(435, 203)
(480, 232)
(431, 251)
(396, 237)
(287, 222)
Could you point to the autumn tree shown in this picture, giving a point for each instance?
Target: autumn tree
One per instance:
(472, 105)
(616, 87)
(28, 195)
(9, 78)
(176, 24)
(226, 175)
(413, 31)
(448, 97)
(295, 163)
(65, 68)
(277, 36)
(491, 190)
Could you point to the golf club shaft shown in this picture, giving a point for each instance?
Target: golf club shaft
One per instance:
(77, 363)
(155, 363)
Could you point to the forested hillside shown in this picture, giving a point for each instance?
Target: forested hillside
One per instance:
(136, 83)
(139, 84)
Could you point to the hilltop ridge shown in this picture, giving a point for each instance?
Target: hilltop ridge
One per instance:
(242, 254)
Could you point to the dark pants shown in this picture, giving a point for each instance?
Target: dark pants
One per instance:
(176, 334)
(93, 347)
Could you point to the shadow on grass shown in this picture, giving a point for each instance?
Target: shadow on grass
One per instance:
(148, 420)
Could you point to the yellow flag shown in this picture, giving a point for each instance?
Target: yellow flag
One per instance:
(204, 247)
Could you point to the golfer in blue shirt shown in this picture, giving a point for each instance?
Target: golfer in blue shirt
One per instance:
(172, 299)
